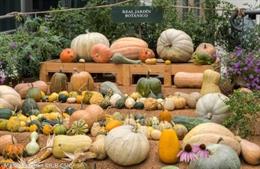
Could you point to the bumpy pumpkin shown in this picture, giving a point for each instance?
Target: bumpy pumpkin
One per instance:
(58, 82)
(126, 146)
(83, 43)
(146, 53)
(169, 146)
(13, 150)
(22, 88)
(101, 53)
(9, 98)
(205, 53)
(30, 107)
(81, 81)
(179, 102)
(221, 156)
(212, 106)
(129, 47)
(149, 86)
(175, 45)
(165, 115)
(67, 55)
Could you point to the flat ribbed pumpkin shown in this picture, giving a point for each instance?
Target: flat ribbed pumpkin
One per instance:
(169, 146)
(83, 43)
(175, 45)
(130, 47)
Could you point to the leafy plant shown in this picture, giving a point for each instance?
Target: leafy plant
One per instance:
(245, 108)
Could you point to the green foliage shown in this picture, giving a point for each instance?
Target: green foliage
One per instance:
(245, 108)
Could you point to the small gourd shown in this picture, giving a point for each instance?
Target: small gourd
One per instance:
(114, 98)
(33, 147)
(168, 104)
(129, 103)
(164, 125)
(155, 134)
(95, 129)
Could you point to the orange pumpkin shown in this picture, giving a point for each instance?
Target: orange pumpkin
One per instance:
(67, 55)
(13, 150)
(146, 53)
(165, 115)
(81, 81)
(101, 53)
(22, 88)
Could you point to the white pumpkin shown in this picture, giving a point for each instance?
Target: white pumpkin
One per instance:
(126, 146)
(114, 98)
(175, 45)
(212, 106)
(168, 103)
(129, 103)
(83, 43)
(9, 98)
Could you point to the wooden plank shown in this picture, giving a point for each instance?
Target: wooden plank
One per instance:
(65, 67)
(43, 73)
(189, 67)
(167, 76)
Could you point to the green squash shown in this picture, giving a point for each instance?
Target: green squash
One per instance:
(149, 86)
(34, 93)
(189, 122)
(106, 86)
(139, 105)
(59, 129)
(29, 107)
(170, 167)
(221, 157)
(120, 104)
(6, 113)
(69, 110)
(58, 82)
(62, 98)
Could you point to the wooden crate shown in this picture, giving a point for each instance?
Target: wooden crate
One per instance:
(124, 73)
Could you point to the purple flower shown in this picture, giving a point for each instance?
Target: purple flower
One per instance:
(187, 154)
(238, 51)
(237, 65)
(200, 150)
(13, 45)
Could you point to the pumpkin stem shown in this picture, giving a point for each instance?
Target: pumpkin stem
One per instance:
(219, 140)
(205, 46)
(209, 116)
(13, 139)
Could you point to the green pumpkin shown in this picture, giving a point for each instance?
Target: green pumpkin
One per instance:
(59, 129)
(6, 113)
(149, 86)
(29, 107)
(107, 86)
(69, 110)
(34, 93)
(58, 82)
(62, 98)
(221, 157)
(120, 104)
(139, 105)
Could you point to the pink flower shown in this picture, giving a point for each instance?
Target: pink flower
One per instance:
(202, 152)
(187, 154)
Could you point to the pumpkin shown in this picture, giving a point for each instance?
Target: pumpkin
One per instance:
(129, 102)
(81, 81)
(210, 82)
(22, 88)
(146, 53)
(164, 125)
(6, 140)
(181, 130)
(212, 106)
(9, 98)
(30, 107)
(149, 86)
(175, 45)
(106, 86)
(113, 124)
(129, 47)
(67, 55)
(205, 53)
(114, 98)
(155, 134)
(95, 129)
(69, 144)
(101, 53)
(58, 82)
(191, 98)
(188, 80)
(211, 133)
(47, 129)
(165, 115)
(221, 156)
(168, 103)
(59, 129)
(169, 146)
(150, 104)
(13, 150)
(90, 114)
(150, 61)
(82, 44)
(34, 93)
(250, 152)
(126, 145)
(179, 102)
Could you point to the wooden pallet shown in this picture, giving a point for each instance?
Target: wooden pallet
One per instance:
(124, 73)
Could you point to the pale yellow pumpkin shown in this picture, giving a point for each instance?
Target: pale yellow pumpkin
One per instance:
(179, 102)
(175, 45)
(9, 98)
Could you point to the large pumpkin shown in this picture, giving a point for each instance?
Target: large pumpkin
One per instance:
(169, 146)
(212, 106)
(58, 82)
(205, 53)
(9, 98)
(126, 145)
(67, 55)
(83, 43)
(149, 86)
(22, 88)
(212, 133)
(175, 45)
(129, 47)
(81, 81)
(101, 53)
(220, 157)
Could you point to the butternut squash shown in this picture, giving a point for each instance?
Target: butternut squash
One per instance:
(188, 80)
(210, 82)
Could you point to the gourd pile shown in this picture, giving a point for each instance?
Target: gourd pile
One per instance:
(92, 133)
